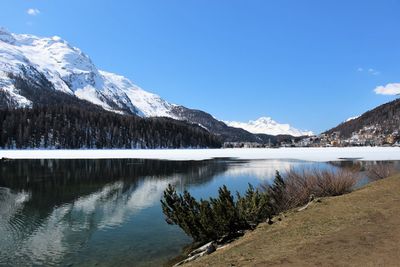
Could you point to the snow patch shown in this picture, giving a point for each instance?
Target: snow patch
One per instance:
(148, 104)
(7, 85)
(352, 118)
(56, 38)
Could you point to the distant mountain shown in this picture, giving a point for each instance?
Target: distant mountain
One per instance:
(266, 125)
(54, 64)
(227, 133)
(382, 120)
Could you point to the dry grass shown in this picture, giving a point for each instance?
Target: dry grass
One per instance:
(380, 170)
(305, 183)
(357, 229)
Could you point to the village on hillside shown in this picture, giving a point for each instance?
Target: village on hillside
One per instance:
(367, 136)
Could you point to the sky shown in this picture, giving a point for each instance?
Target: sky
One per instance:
(309, 63)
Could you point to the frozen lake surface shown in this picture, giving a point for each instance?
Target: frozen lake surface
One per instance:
(308, 154)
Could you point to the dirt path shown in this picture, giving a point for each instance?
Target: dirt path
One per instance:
(357, 229)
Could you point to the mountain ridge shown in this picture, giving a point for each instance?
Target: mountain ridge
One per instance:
(71, 71)
(60, 120)
(382, 120)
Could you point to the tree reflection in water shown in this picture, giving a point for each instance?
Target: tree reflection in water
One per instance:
(60, 212)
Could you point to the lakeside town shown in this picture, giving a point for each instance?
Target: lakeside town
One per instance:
(367, 136)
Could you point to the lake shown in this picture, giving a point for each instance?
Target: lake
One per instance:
(107, 212)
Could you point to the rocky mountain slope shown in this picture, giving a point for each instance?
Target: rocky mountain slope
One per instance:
(382, 120)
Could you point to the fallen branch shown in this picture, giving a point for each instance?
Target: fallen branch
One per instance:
(200, 252)
(311, 200)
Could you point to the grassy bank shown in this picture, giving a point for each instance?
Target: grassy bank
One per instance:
(358, 229)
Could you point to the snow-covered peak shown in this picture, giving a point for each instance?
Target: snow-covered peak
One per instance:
(264, 120)
(72, 71)
(55, 54)
(266, 125)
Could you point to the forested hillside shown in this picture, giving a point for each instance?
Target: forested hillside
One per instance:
(384, 119)
(73, 127)
(60, 120)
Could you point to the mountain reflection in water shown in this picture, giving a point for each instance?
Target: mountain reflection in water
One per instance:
(106, 212)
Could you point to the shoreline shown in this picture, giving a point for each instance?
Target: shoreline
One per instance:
(318, 154)
(360, 228)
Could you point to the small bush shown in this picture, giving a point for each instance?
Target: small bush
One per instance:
(297, 186)
(380, 170)
(277, 194)
(333, 183)
(254, 206)
(208, 220)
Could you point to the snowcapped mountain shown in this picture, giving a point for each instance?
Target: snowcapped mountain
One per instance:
(71, 71)
(266, 125)
(54, 64)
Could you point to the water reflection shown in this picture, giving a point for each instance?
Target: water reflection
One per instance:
(50, 208)
(263, 170)
(106, 212)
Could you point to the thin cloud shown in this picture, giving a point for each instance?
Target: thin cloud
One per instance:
(369, 71)
(389, 89)
(33, 11)
(374, 72)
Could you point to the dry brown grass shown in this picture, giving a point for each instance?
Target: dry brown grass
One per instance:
(380, 170)
(305, 183)
(357, 229)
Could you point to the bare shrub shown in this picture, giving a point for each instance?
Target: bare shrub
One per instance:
(301, 184)
(299, 187)
(335, 183)
(380, 170)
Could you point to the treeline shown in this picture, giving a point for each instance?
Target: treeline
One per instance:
(60, 120)
(75, 127)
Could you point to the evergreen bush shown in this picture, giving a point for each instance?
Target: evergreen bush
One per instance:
(208, 220)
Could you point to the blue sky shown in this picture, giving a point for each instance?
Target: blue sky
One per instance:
(309, 63)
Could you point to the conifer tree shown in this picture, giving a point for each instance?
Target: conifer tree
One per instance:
(276, 192)
(207, 220)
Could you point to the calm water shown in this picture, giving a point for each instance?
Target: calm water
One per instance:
(107, 212)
